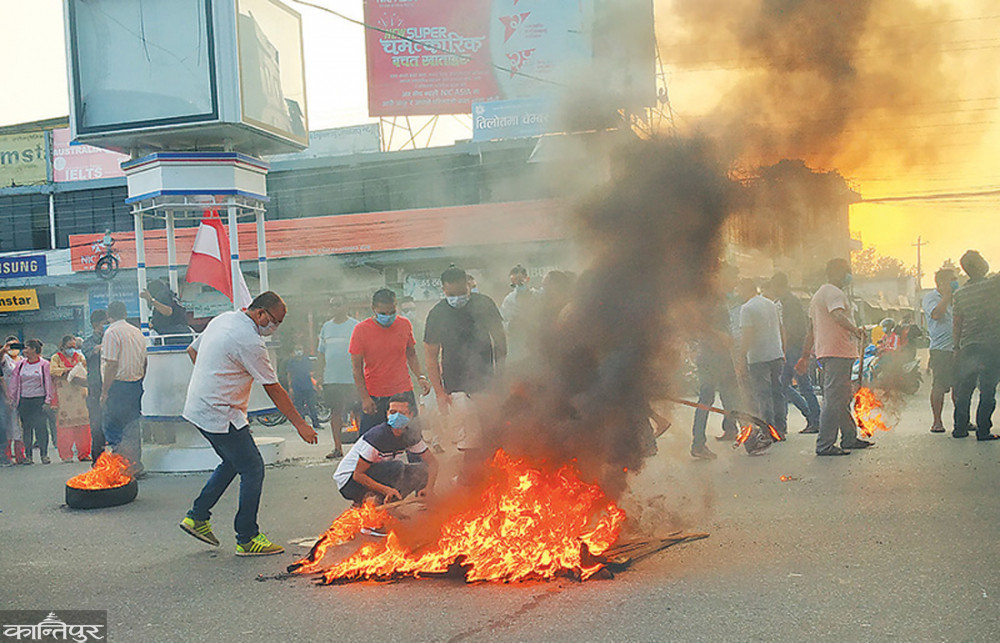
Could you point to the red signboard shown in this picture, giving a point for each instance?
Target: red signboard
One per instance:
(469, 225)
(440, 56)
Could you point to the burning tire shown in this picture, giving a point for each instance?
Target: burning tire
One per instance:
(99, 498)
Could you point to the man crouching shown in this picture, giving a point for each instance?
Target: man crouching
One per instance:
(374, 467)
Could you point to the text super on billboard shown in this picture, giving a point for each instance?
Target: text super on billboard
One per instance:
(440, 56)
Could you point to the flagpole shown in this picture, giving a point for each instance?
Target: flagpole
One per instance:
(140, 260)
(262, 252)
(234, 249)
(172, 253)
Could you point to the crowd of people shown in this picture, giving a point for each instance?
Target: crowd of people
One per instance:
(761, 346)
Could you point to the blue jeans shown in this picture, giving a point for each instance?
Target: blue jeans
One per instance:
(121, 419)
(305, 404)
(976, 365)
(715, 374)
(768, 398)
(240, 455)
(804, 398)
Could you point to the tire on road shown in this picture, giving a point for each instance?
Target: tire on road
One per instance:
(100, 498)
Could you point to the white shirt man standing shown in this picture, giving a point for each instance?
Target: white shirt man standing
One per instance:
(227, 358)
(761, 355)
(339, 391)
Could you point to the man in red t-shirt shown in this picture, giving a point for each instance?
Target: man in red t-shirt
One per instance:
(381, 348)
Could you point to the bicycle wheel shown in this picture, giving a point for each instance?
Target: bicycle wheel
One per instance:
(323, 413)
(274, 418)
(107, 267)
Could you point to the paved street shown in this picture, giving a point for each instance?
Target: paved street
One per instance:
(895, 543)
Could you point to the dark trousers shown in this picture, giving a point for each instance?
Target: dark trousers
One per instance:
(715, 374)
(239, 455)
(977, 365)
(404, 477)
(121, 419)
(35, 422)
(838, 394)
(4, 432)
(96, 415)
(305, 404)
(381, 409)
(768, 394)
(802, 395)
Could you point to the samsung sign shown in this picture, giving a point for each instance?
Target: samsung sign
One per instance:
(26, 266)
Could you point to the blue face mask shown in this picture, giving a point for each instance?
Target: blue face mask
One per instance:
(385, 320)
(848, 278)
(954, 286)
(398, 420)
(458, 301)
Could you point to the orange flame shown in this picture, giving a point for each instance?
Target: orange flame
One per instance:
(528, 524)
(774, 433)
(343, 530)
(109, 471)
(868, 412)
(743, 435)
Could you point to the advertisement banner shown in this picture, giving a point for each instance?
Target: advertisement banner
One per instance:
(439, 56)
(123, 290)
(24, 266)
(79, 162)
(22, 159)
(466, 225)
(16, 300)
(516, 118)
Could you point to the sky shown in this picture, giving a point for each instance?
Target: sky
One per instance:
(955, 146)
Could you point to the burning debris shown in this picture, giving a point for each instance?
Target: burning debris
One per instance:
(529, 524)
(110, 471)
(868, 412)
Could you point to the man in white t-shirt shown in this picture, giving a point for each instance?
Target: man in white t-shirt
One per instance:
(836, 338)
(228, 356)
(761, 355)
(339, 391)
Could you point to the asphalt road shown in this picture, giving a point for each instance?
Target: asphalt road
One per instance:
(899, 542)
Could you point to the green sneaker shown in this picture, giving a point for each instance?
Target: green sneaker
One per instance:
(259, 546)
(200, 529)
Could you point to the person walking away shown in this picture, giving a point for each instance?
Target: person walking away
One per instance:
(91, 349)
(937, 307)
(68, 368)
(339, 390)
(976, 338)
(834, 337)
(123, 359)
(13, 448)
(381, 348)
(300, 378)
(794, 323)
(761, 357)
(31, 390)
(228, 357)
(466, 346)
(376, 467)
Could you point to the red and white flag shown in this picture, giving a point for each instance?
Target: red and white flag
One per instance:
(210, 260)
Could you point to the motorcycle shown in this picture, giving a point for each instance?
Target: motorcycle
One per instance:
(891, 370)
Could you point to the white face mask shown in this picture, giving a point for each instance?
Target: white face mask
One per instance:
(268, 330)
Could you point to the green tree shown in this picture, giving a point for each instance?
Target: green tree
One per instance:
(868, 263)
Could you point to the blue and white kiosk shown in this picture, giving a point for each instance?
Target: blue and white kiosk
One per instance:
(196, 91)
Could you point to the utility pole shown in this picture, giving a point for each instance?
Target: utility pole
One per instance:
(920, 279)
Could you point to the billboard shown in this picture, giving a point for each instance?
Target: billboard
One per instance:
(515, 118)
(17, 300)
(22, 266)
(22, 159)
(80, 162)
(440, 56)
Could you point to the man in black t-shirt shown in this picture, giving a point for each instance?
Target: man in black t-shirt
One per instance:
(465, 346)
(795, 324)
